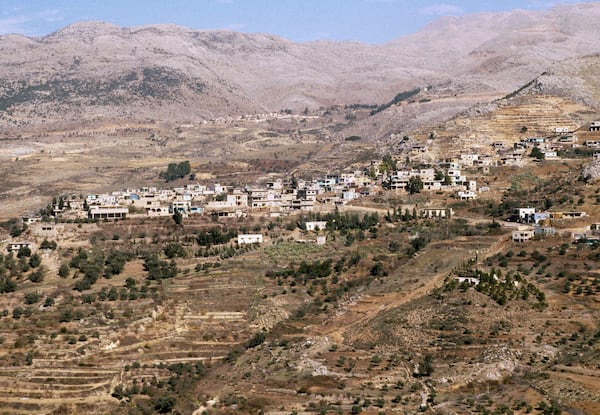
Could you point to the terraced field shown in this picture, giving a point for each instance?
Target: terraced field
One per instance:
(197, 318)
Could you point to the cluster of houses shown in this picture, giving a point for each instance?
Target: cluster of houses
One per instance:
(550, 147)
(274, 197)
(228, 201)
(534, 224)
(448, 178)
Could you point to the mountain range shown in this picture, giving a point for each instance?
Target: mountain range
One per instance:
(92, 71)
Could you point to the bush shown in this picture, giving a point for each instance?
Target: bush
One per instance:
(165, 404)
(37, 276)
(24, 251)
(35, 261)
(64, 271)
(17, 313)
(256, 340)
(32, 297)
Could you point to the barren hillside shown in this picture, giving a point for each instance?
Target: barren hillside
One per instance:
(97, 71)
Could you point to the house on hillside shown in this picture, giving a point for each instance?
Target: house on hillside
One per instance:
(595, 228)
(523, 215)
(436, 212)
(522, 235)
(592, 143)
(316, 225)
(568, 139)
(567, 215)
(595, 126)
(28, 220)
(249, 239)
(109, 213)
(466, 195)
(158, 211)
(543, 231)
(47, 229)
(16, 246)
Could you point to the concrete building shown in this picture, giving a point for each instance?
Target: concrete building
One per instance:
(110, 213)
(248, 239)
(522, 235)
(316, 225)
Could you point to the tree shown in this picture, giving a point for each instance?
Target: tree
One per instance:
(415, 185)
(388, 164)
(536, 153)
(176, 171)
(377, 269)
(447, 180)
(37, 275)
(35, 261)
(165, 404)
(177, 217)
(46, 244)
(24, 251)
(32, 297)
(426, 365)
(64, 270)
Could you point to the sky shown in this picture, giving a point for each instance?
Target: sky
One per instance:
(368, 21)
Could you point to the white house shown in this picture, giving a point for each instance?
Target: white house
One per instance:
(524, 214)
(467, 195)
(316, 225)
(101, 212)
(435, 212)
(158, 211)
(522, 235)
(16, 246)
(248, 239)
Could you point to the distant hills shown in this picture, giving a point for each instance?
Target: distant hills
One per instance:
(97, 71)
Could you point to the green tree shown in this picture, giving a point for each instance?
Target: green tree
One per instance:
(165, 404)
(35, 261)
(388, 164)
(64, 270)
(37, 275)
(176, 171)
(31, 298)
(415, 185)
(24, 251)
(536, 153)
(177, 217)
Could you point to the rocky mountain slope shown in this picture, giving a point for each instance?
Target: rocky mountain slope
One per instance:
(97, 71)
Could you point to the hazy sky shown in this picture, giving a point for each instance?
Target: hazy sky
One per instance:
(371, 21)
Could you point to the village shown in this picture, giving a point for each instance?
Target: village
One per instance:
(283, 196)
